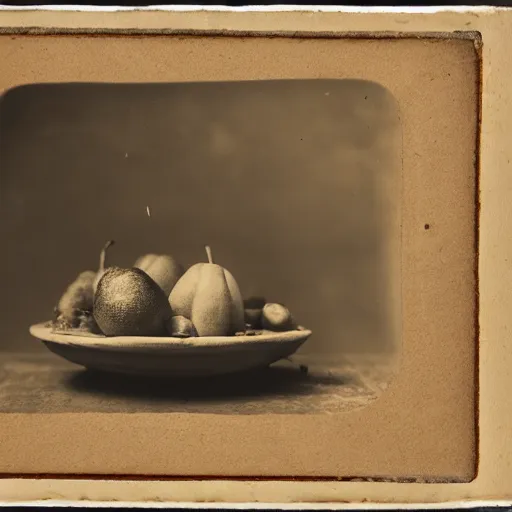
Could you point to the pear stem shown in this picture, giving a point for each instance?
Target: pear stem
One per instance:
(103, 255)
(209, 254)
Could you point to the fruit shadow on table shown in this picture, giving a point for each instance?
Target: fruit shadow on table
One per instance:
(255, 384)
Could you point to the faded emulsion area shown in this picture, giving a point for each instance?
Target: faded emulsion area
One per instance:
(294, 184)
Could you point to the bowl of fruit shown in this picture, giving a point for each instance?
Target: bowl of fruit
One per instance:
(157, 319)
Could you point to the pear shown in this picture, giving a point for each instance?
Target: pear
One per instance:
(237, 303)
(211, 307)
(276, 317)
(163, 269)
(77, 298)
(102, 265)
(128, 302)
(182, 296)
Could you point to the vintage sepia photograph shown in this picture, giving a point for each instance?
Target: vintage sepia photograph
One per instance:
(210, 247)
(217, 248)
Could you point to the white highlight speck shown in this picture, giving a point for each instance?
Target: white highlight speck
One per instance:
(147, 209)
(126, 155)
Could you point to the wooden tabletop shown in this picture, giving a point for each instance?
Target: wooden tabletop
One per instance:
(45, 383)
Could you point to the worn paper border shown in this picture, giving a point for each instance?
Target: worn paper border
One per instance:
(353, 486)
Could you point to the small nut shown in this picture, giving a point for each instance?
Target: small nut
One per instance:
(253, 317)
(181, 327)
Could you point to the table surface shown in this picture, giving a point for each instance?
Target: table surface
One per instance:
(45, 383)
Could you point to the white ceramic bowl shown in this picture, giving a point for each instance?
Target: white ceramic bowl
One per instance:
(172, 357)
